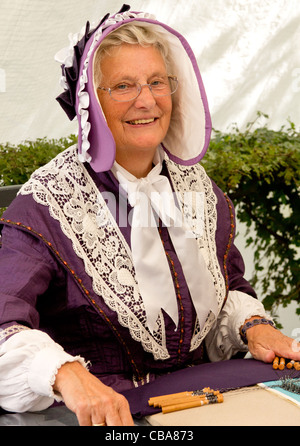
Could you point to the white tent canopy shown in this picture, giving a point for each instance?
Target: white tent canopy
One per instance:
(248, 52)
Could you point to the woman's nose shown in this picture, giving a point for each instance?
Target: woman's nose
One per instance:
(145, 99)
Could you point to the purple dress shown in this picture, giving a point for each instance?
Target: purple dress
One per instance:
(44, 285)
(57, 276)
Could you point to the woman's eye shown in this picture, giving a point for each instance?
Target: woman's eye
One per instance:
(122, 87)
(158, 83)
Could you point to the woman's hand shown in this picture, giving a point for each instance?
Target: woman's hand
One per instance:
(265, 342)
(93, 402)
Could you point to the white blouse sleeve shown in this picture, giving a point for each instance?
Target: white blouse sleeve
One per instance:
(29, 361)
(224, 340)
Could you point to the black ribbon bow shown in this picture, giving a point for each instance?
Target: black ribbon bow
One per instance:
(67, 99)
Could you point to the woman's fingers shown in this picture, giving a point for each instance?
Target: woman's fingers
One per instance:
(265, 343)
(93, 402)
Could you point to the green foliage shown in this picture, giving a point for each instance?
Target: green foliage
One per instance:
(260, 170)
(18, 162)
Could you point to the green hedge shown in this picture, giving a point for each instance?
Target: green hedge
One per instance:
(258, 168)
(18, 162)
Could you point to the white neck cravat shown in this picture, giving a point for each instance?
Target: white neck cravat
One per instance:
(149, 258)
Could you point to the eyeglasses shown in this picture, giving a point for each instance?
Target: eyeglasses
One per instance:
(159, 86)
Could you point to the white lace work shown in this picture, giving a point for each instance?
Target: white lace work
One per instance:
(65, 187)
(194, 180)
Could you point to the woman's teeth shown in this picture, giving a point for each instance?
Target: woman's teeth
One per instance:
(142, 121)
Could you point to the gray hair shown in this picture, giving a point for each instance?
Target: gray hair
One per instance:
(135, 34)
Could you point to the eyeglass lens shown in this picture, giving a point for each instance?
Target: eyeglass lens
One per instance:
(159, 87)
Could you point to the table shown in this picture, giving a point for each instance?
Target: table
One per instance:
(54, 416)
(253, 406)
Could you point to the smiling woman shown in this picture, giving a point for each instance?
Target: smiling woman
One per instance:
(90, 307)
(131, 68)
(138, 125)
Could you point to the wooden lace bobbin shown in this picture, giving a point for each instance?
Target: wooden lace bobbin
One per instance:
(281, 364)
(180, 398)
(276, 363)
(157, 400)
(290, 364)
(185, 399)
(191, 404)
(297, 365)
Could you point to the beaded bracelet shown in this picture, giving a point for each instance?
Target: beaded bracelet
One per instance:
(252, 324)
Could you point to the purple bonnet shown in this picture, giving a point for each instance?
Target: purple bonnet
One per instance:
(188, 136)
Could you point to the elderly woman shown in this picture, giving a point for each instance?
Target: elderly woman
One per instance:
(118, 261)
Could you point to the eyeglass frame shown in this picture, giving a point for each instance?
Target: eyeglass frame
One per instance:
(140, 86)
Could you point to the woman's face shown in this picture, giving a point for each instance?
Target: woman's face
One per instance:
(134, 63)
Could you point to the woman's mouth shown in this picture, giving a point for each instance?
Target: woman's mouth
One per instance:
(141, 121)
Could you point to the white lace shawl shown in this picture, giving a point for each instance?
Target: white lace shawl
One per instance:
(67, 190)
